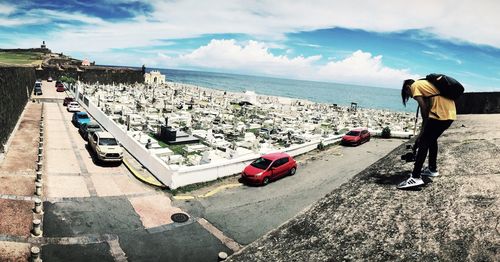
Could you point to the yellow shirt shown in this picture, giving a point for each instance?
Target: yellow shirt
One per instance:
(442, 108)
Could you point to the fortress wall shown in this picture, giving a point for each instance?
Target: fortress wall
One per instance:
(104, 75)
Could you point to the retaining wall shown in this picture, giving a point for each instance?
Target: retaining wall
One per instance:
(104, 75)
(16, 85)
(479, 103)
(159, 168)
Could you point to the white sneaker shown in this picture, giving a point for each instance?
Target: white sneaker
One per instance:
(411, 182)
(428, 172)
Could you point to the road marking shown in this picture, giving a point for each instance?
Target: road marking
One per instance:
(116, 251)
(230, 243)
(149, 180)
(209, 194)
(218, 189)
(183, 197)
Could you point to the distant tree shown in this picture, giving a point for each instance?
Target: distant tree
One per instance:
(386, 132)
(67, 79)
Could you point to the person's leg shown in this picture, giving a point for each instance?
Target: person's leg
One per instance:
(426, 140)
(440, 127)
(433, 150)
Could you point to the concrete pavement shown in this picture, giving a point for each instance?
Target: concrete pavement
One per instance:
(85, 198)
(90, 211)
(17, 187)
(454, 218)
(245, 213)
(102, 212)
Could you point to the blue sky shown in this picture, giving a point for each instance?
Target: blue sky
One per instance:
(354, 42)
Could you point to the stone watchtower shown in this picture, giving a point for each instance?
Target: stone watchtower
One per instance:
(43, 48)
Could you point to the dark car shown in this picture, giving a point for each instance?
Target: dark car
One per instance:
(356, 137)
(87, 130)
(269, 167)
(67, 100)
(38, 88)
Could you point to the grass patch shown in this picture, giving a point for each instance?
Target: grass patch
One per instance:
(161, 143)
(20, 58)
(177, 149)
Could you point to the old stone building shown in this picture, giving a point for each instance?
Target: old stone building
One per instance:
(154, 77)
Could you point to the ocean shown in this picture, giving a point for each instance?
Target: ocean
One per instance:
(321, 92)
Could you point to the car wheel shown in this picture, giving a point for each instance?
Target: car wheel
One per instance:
(265, 181)
(292, 171)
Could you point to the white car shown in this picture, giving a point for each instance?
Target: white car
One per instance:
(106, 147)
(73, 107)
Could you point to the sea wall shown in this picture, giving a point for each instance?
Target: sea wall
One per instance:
(16, 85)
(479, 103)
(104, 75)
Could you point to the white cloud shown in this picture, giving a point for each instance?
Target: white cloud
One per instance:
(267, 20)
(254, 58)
(364, 69)
(471, 21)
(6, 9)
(75, 16)
(441, 56)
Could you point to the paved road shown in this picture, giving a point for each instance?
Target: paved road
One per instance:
(49, 92)
(96, 212)
(245, 213)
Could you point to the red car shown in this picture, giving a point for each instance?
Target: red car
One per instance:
(60, 87)
(67, 100)
(356, 137)
(269, 167)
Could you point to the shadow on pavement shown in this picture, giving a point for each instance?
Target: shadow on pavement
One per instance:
(98, 162)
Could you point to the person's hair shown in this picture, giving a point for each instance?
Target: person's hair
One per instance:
(404, 94)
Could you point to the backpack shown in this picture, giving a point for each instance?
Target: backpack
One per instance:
(448, 86)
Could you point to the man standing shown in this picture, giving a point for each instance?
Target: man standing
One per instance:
(438, 112)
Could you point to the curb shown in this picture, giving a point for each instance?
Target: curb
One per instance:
(148, 181)
(208, 194)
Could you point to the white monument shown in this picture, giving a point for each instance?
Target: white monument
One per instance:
(154, 77)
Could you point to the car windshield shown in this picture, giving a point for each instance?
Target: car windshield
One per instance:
(353, 133)
(83, 116)
(107, 142)
(93, 127)
(261, 163)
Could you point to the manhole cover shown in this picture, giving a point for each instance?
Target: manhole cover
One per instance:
(179, 217)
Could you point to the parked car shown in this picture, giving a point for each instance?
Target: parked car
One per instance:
(80, 118)
(356, 137)
(38, 88)
(269, 167)
(67, 100)
(49, 79)
(73, 107)
(105, 146)
(60, 87)
(87, 130)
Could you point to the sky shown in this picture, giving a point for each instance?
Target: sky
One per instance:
(370, 42)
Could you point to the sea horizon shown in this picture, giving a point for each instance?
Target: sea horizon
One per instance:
(369, 97)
